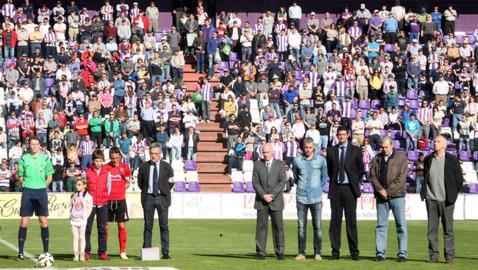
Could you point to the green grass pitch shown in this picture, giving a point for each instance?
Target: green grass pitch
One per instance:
(230, 244)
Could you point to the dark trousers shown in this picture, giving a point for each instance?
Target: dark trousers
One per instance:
(439, 211)
(101, 221)
(343, 200)
(96, 137)
(262, 226)
(159, 204)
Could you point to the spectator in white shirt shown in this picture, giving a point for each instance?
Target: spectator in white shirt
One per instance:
(295, 14)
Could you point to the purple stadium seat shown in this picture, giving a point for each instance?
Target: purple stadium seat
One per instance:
(471, 40)
(459, 39)
(298, 75)
(389, 48)
(414, 104)
(158, 37)
(375, 104)
(249, 188)
(446, 122)
(401, 102)
(475, 156)
(364, 104)
(412, 94)
(452, 151)
(237, 187)
(465, 155)
(193, 187)
(421, 94)
(367, 188)
(396, 144)
(233, 57)
(223, 65)
(412, 155)
(180, 187)
(395, 134)
(354, 103)
(472, 188)
(190, 165)
(384, 133)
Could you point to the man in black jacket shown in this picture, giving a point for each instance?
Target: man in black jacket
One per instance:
(155, 179)
(345, 168)
(443, 181)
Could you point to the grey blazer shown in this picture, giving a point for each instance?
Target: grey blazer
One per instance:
(269, 183)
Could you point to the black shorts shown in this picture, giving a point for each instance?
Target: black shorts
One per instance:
(117, 211)
(34, 201)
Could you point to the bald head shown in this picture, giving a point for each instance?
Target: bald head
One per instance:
(267, 151)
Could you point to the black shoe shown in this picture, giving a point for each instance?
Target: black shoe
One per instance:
(261, 257)
(355, 258)
(379, 259)
(166, 257)
(280, 257)
(20, 257)
(402, 259)
(335, 257)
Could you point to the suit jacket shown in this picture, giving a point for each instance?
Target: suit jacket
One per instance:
(266, 182)
(40, 82)
(353, 167)
(453, 177)
(165, 173)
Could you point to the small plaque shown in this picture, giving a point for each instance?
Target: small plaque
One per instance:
(150, 254)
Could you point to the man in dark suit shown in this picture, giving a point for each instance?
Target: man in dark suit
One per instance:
(345, 168)
(155, 179)
(443, 180)
(269, 179)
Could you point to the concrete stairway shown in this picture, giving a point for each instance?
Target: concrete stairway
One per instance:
(211, 149)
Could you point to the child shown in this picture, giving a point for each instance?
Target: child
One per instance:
(81, 206)
(58, 164)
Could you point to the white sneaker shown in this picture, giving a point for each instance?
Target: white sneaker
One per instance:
(123, 256)
(76, 258)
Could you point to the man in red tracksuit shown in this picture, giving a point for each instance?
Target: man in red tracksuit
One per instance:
(97, 181)
(118, 182)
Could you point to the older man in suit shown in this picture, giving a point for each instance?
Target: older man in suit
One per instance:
(155, 179)
(269, 179)
(345, 169)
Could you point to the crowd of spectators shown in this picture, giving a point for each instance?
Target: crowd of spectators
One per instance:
(80, 79)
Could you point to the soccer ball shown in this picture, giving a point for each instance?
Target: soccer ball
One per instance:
(45, 260)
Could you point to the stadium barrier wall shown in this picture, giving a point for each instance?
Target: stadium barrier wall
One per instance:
(236, 206)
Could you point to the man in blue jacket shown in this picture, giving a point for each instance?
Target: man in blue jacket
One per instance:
(212, 46)
(310, 174)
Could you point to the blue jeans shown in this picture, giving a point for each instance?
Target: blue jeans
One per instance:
(57, 186)
(190, 155)
(9, 52)
(166, 72)
(324, 141)
(412, 83)
(178, 73)
(295, 53)
(456, 120)
(397, 205)
(419, 184)
(276, 108)
(86, 161)
(246, 53)
(200, 62)
(411, 141)
(42, 138)
(175, 153)
(316, 212)
(412, 36)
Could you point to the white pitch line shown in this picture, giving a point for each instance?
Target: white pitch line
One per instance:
(14, 248)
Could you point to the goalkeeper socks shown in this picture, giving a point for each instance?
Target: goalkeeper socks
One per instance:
(122, 238)
(45, 235)
(22, 236)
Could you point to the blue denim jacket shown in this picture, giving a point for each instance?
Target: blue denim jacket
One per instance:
(310, 177)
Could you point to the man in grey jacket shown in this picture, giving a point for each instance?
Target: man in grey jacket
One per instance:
(269, 179)
(389, 179)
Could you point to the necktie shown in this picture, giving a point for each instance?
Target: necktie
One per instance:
(155, 180)
(268, 164)
(342, 165)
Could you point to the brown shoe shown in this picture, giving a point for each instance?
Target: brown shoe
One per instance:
(433, 260)
(449, 260)
(300, 257)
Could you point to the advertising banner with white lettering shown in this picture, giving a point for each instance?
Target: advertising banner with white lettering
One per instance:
(235, 206)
